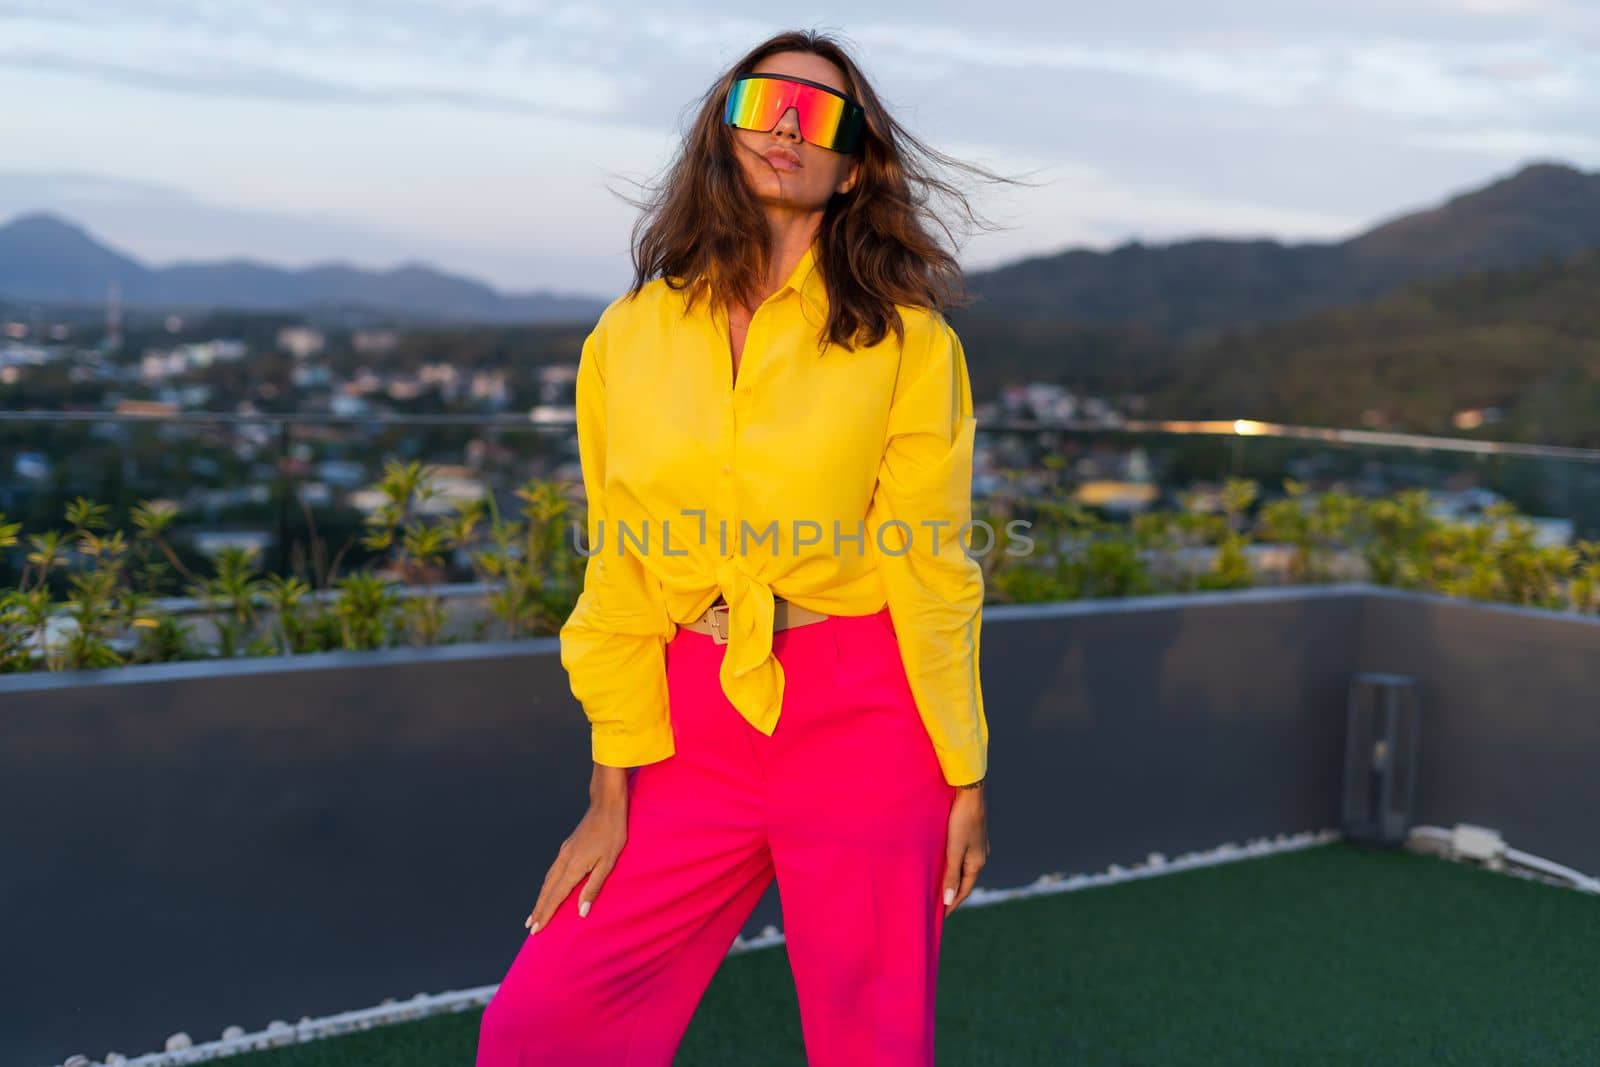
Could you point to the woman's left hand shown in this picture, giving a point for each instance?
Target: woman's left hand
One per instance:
(967, 847)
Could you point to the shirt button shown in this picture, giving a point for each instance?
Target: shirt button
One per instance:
(727, 468)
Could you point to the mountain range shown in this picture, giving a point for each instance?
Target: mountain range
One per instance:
(48, 259)
(1200, 286)
(1182, 290)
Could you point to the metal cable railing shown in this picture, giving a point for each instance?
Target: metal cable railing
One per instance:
(1241, 428)
(1551, 480)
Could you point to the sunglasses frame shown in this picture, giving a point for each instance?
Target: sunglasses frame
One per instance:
(852, 123)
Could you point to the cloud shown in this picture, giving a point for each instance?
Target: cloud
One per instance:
(617, 60)
(1513, 143)
(1495, 7)
(202, 76)
(311, 55)
(1526, 68)
(435, 119)
(1086, 206)
(1389, 77)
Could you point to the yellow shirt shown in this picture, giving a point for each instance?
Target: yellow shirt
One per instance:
(698, 485)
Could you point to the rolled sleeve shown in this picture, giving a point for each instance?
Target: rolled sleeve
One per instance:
(613, 645)
(935, 589)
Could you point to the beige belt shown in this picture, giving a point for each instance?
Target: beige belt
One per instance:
(784, 616)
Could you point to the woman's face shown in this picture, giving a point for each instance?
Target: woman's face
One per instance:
(783, 169)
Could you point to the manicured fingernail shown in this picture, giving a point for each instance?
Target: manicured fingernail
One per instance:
(532, 929)
(583, 908)
(949, 896)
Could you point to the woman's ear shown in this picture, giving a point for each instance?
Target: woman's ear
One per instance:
(849, 179)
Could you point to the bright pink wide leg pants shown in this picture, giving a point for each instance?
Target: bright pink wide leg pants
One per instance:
(845, 804)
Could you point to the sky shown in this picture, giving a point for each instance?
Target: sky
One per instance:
(495, 138)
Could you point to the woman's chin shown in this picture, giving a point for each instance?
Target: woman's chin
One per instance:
(772, 195)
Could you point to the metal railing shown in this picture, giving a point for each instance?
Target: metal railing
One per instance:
(1227, 428)
(1560, 483)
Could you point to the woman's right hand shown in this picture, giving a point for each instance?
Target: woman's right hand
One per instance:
(592, 849)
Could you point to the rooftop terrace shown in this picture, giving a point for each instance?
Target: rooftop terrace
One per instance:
(1333, 954)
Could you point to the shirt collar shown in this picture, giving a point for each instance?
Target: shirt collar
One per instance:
(807, 280)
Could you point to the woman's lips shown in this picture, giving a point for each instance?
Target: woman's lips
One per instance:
(782, 160)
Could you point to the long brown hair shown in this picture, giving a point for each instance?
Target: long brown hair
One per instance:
(702, 226)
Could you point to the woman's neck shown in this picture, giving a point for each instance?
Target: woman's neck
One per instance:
(790, 235)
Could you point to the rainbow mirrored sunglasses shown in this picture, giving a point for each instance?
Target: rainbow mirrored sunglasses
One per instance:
(828, 118)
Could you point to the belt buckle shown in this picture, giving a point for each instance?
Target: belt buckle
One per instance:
(717, 616)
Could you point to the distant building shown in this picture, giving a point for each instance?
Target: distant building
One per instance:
(451, 483)
(442, 379)
(212, 542)
(1117, 496)
(491, 389)
(344, 473)
(314, 494)
(157, 364)
(301, 341)
(368, 501)
(1469, 506)
(190, 396)
(365, 382)
(148, 408)
(217, 499)
(346, 404)
(558, 394)
(13, 358)
(1044, 401)
(1052, 402)
(32, 355)
(374, 342)
(220, 350)
(31, 466)
(1472, 418)
(310, 375)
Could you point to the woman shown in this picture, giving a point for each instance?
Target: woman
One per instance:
(779, 624)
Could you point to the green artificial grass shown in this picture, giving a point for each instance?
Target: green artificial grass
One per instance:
(1330, 955)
